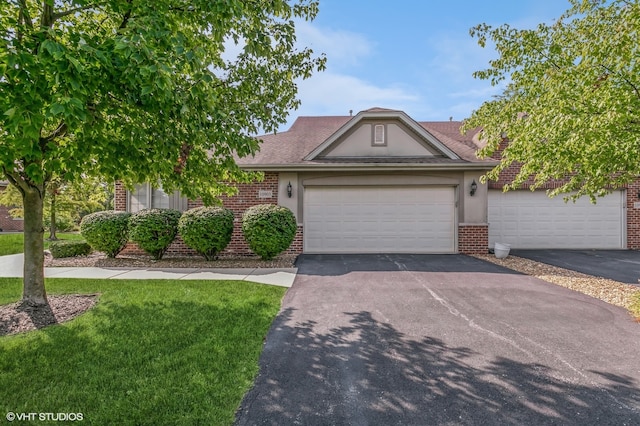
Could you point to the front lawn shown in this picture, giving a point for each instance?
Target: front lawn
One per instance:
(150, 352)
(13, 243)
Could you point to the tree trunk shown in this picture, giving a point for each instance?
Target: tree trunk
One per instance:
(52, 226)
(33, 292)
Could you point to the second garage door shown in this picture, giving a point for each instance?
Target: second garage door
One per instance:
(532, 220)
(387, 219)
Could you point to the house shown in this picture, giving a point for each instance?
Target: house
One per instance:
(8, 223)
(380, 181)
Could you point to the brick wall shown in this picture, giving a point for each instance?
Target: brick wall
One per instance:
(120, 197)
(473, 239)
(247, 196)
(633, 216)
(509, 174)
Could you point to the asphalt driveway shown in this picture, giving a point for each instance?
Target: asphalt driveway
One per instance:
(619, 265)
(444, 340)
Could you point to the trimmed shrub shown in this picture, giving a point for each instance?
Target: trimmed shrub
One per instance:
(106, 231)
(73, 248)
(268, 229)
(154, 230)
(207, 230)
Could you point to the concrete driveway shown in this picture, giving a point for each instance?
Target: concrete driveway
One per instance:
(619, 265)
(442, 340)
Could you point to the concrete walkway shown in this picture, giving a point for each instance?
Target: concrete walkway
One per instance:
(11, 266)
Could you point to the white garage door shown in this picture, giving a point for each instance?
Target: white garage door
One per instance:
(389, 219)
(528, 219)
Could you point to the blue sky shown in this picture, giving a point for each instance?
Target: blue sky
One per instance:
(412, 55)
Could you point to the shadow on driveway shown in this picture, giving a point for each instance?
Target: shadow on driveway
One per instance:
(422, 340)
(369, 373)
(341, 264)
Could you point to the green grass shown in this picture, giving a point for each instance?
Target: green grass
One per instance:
(151, 352)
(13, 243)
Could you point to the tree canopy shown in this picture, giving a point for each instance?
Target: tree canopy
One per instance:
(142, 91)
(571, 103)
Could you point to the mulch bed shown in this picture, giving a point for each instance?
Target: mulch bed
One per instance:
(19, 318)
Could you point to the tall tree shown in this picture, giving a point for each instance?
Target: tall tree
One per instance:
(571, 104)
(139, 91)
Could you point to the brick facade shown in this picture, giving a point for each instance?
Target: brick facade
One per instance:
(633, 215)
(120, 197)
(473, 238)
(246, 197)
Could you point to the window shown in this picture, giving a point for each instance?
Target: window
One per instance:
(144, 196)
(379, 135)
(138, 198)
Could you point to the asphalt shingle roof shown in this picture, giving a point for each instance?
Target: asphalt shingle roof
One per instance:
(307, 133)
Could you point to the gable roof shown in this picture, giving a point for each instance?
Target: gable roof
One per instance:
(301, 146)
(380, 113)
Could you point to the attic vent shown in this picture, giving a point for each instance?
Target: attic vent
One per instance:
(378, 135)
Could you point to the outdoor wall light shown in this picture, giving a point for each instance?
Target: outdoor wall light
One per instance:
(289, 190)
(474, 187)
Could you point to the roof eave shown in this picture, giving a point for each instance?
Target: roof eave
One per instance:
(298, 167)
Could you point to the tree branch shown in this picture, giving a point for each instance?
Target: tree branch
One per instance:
(626, 80)
(24, 17)
(46, 19)
(13, 179)
(127, 15)
(61, 130)
(59, 15)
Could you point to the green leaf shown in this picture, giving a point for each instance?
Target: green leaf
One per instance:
(57, 108)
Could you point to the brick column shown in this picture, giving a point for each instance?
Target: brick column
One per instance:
(473, 238)
(633, 216)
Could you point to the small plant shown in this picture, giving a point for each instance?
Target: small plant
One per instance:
(207, 230)
(106, 231)
(268, 229)
(154, 230)
(60, 249)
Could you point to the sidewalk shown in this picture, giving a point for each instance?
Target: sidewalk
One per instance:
(11, 266)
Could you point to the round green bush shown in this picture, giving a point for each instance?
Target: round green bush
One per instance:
(268, 229)
(207, 230)
(106, 231)
(153, 230)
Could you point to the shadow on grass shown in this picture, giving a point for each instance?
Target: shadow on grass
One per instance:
(367, 372)
(150, 362)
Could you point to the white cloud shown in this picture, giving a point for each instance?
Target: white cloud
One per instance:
(336, 90)
(343, 48)
(335, 94)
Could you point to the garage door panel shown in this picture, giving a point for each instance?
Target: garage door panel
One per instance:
(379, 219)
(528, 219)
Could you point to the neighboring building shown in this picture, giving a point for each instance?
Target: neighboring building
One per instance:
(530, 219)
(381, 182)
(7, 223)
